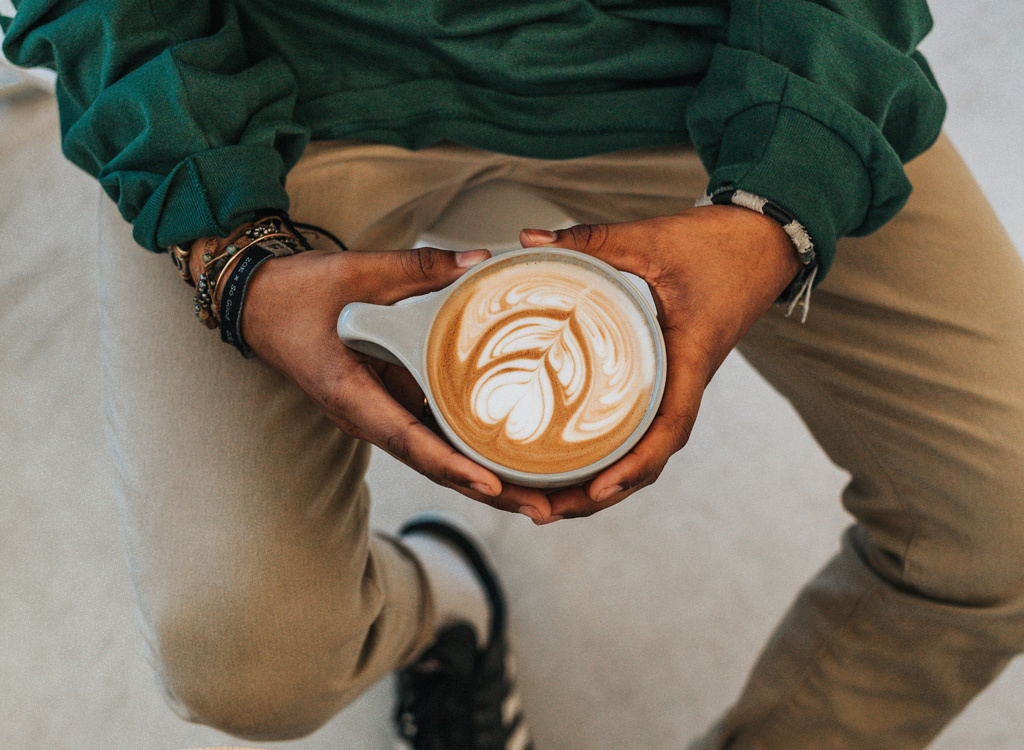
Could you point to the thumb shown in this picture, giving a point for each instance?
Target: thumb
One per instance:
(399, 274)
(619, 245)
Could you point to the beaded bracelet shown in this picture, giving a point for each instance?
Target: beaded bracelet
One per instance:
(220, 254)
(229, 264)
(278, 221)
(220, 265)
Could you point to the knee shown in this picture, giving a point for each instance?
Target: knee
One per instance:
(982, 561)
(261, 676)
(973, 557)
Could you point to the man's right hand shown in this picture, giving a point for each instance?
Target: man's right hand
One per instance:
(290, 321)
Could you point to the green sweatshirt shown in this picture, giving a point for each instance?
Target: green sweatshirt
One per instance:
(191, 112)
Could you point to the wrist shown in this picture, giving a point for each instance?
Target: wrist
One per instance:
(220, 261)
(798, 290)
(235, 295)
(222, 269)
(263, 304)
(761, 253)
(774, 244)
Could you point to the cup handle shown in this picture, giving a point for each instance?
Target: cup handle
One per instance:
(358, 328)
(392, 333)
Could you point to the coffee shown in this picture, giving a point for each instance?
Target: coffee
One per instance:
(542, 365)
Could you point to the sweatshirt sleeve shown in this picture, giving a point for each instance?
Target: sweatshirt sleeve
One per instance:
(187, 127)
(816, 106)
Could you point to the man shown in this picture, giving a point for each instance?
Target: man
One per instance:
(192, 114)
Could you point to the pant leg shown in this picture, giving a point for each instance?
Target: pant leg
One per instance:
(264, 602)
(618, 186)
(909, 373)
(379, 197)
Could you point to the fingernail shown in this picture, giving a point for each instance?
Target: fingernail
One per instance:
(550, 519)
(607, 492)
(483, 489)
(469, 258)
(530, 513)
(540, 236)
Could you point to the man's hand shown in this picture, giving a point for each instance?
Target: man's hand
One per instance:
(290, 319)
(713, 271)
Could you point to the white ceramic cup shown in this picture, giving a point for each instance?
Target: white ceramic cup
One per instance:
(399, 334)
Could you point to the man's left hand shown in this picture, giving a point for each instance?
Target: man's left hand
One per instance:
(713, 271)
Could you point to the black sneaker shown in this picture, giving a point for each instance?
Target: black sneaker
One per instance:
(456, 696)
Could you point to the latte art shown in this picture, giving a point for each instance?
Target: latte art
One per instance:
(566, 349)
(542, 366)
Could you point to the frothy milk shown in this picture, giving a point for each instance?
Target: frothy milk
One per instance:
(543, 365)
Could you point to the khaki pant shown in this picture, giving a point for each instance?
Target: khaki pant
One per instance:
(266, 605)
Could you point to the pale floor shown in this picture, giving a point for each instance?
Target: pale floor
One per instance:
(634, 628)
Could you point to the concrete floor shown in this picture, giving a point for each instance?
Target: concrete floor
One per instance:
(735, 525)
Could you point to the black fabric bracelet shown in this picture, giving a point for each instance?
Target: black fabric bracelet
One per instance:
(797, 234)
(233, 296)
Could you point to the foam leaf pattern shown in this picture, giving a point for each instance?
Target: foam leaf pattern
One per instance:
(566, 360)
(520, 391)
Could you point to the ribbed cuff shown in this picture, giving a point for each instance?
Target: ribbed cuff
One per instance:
(211, 193)
(799, 164)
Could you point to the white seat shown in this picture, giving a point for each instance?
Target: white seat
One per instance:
(490, 216)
